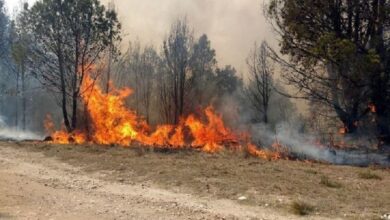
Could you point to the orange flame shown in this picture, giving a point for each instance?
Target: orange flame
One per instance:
(210, 136)
(264, 154)
(112, 123)
(343, 130)
(372, 107)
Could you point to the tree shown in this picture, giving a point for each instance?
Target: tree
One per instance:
(70, 37)
(203, 65)
(20, 42)
(338, 55)
(3, 30)
(111, 50)
(228, 95)
(227, 81)
(4, 55)
(165, 104)
(138, 68)
(260, 86)
(177, 51)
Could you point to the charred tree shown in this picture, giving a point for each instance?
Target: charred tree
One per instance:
(260, 86)
(177, 50)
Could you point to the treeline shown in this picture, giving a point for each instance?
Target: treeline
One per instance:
(184, 77)
(50, 46)
(333, 54)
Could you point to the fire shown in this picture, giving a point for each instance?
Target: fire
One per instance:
(264, 154)
(210, 136)
(62, 137)
(343, 130)
(111, 122)
(372, 107)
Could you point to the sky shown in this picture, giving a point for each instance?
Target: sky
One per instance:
(233, 26)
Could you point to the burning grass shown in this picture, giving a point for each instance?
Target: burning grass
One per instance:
(112, 123)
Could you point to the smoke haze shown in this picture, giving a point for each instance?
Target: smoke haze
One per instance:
(232, 26)
(302, 146)
(7, 133)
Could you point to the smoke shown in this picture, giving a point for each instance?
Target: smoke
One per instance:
(303, 146)
(15, 134)
(232, 28)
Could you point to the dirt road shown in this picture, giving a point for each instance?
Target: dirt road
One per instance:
(33, 186)
(46, 181)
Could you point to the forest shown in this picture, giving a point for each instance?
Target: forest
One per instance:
(329, 79)
(195, 109)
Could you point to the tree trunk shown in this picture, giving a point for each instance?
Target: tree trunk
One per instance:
(24, 100)
(63, 92)
(381, 76)
(109, 68)
(176, 98)
(265, 117)
(181, 98)
(74, 110)
(17, 101)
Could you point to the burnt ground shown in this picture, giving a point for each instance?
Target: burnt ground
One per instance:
(45, 181)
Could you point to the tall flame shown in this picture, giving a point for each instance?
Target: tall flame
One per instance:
(112, 123)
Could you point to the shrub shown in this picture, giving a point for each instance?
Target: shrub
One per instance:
(301, 208)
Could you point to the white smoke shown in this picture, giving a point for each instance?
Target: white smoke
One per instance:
(15, 134)
(302, 146)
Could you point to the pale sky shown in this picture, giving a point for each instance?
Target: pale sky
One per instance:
(233, 26)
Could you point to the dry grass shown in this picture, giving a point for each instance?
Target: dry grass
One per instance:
(368, 175)
(313, 172)
(301, 208)
(229, 175)
(329, 183)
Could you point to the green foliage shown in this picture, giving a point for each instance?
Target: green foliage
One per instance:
(338, 55)
(70, 38)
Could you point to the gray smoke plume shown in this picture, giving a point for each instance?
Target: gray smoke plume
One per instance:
(302, 146)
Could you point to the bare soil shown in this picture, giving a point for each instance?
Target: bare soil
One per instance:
(45, 181)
